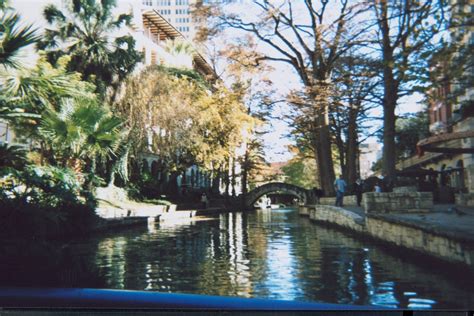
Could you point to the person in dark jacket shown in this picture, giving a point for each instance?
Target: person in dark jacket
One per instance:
(358, 190)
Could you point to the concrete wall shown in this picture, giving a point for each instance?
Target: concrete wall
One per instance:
(304, 209)
(397, 202)
(349, 200)
(420, 240)
(465, 199)
(395, 233)
(109, 211)
(336, 215)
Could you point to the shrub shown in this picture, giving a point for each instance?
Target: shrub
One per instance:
(44, 202)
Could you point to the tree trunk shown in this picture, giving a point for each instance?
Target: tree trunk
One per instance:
(216, 180)
(389, 120)
(234, 180)
(226, 179)
(390, 94)
(352, 147)
(324, 151)
(389, 148)
(342, 153)
(245, 172)
(172, 187)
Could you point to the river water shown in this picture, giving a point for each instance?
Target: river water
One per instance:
(266, 254)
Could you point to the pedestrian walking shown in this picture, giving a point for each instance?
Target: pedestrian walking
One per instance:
(204, 200)
(340, 185)
(358, 190)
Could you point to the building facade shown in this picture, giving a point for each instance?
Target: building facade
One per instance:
(450, 148)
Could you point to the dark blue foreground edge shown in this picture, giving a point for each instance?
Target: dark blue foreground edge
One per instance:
(110, 299)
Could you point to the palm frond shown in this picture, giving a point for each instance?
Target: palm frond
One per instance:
(52, 14)
(13, 38)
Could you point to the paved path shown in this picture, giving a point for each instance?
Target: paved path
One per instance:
(442, 220)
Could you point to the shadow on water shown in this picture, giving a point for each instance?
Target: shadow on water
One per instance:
(267, 254)
(34, 263)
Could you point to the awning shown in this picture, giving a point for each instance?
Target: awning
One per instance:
(439, 144)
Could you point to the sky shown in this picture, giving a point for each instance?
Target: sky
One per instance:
(283, 76)
(285, 79)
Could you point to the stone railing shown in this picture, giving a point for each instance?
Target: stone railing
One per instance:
(349, 200)
(337, 216)
(465, 199)
(397, 202)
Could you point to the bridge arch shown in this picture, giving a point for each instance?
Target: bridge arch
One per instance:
(276, 187)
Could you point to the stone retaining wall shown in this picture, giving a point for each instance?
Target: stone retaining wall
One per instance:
(396, 233)
(349, 200)
(465, 199)
(109, 211)
(420, 240)
(118, 223)
(397, 202)
(338, 216)
(304, 209)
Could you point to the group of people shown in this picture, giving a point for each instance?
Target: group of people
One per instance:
(358, 189)
(340, 186)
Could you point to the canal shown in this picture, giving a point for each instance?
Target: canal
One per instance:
(272, 254)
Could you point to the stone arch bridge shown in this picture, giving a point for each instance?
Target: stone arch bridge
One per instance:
(277, 187)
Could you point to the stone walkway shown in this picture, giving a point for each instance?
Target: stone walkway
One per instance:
(449, 220)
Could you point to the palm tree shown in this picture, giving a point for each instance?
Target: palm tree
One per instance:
(82, 131)
(12, 156)
(13, 37)
(82, 32)
(26, 93)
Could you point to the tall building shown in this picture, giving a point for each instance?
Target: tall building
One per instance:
(176, 12)
(179, 13)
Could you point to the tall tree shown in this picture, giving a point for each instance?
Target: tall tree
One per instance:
(83, 31)
(310, 38)
(356, 82)
(405, 33)
(201, 128)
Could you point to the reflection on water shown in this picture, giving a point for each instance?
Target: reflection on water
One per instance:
(267, 254)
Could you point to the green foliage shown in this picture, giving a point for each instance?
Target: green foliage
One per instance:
(82, 32)
(27, 93)
(12, 156)
(183, 73)
(13, 37)
(301, 171)
(82, 130)
(409, 132)
(189, 124)
(42, 202)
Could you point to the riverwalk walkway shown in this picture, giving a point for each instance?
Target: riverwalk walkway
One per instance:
(444, 219)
